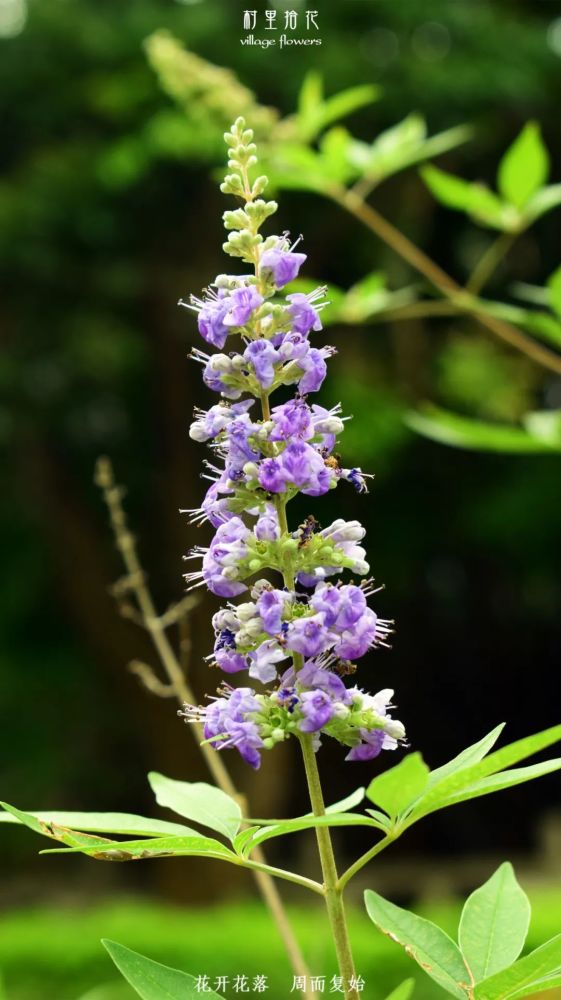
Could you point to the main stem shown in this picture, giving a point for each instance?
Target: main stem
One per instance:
(333, 894)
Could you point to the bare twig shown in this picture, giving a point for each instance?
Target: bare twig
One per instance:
(135, 582)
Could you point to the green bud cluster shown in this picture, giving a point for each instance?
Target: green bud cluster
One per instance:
(244, 223)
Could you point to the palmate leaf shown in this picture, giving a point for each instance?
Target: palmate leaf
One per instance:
(457, 786)
(153, 981)
(538, 965)
(471, 755)
(538, 986)
(198, 801)
(423, 941)
(494, 924)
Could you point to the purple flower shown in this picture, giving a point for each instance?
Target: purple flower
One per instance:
(292, 420)
(231, 718)
(242, 303)
(282, 263)
(263, 659)
(293, 347)
(317, 708)
(222, 559)
(262, 356)
(315, 369)
(327, 599)
(267, 526)
(211, 320)
(308, 636)
(209, 425)
(302, 313)
(299, 466)
(370, 748)
(229, 661)
(356, 641)
(312, 676)
(270, 607)
(239, 449)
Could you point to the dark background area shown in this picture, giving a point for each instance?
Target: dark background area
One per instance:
(107, 217)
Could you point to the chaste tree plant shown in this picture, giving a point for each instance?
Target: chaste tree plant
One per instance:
(303, 622)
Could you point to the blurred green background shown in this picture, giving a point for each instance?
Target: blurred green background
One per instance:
(109, 212)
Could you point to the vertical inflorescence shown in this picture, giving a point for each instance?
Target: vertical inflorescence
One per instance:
(301, 636)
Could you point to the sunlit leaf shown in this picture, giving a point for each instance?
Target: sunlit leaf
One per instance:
(474, 199)
(394, 790)
(471, 755)
(543, 201)
(524, 168)
(151, 980)
(198, 801)
(426, 943)
(448, 789)
(494, 924)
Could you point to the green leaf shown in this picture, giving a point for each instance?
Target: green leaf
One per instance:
(471, 755)
(542, 962)
(524, 168)
(476, 200)
(197, 801)
(157, 847)
(151, 980)
(494, 924)
(349, 802)
(105, 823)
(402, 992)
(538, 986)
(448, 790)
(554, 286)
(476, 435)
(544, 425)
(396, 789)
(402, 146)
(505, 779)
(340, 105)
(431, 948)
(284, 827)
(543, 201)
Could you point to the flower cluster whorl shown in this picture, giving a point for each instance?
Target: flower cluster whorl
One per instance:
(304, 635)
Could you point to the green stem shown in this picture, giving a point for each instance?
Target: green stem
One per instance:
(489, 261)
(363, 860)
(332, 887)
(306, 883)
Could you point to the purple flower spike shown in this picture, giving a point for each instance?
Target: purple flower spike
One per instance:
(282, 264)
